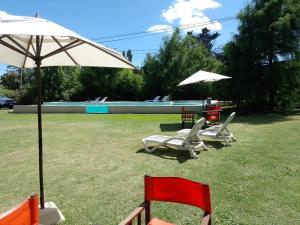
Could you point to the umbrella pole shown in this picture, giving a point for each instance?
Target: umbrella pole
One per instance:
(39, 111)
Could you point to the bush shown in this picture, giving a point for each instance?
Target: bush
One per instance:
(25, 95)
(8, 93)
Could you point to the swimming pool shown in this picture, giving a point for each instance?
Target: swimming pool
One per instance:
(129, 103)
(115, 107)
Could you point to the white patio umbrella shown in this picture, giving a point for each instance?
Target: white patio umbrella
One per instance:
(203, 76)
(29, 42)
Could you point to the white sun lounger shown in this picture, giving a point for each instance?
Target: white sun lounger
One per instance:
(104, 99)
(191, 142)
(156, 99)
(96, 100)
(217, 132)
(165, 99)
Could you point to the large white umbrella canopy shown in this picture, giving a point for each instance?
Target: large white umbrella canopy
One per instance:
(29, 42)
(59, 46)
(202, 76)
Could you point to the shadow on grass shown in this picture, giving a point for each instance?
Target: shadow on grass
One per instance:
(214, 145)
(180, 155)
(254, 119)
(173, 126)
(259, 119)
(170, 154)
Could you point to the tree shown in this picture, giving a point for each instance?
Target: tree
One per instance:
(10, 80)
(96, 82)
(262, 56)
(207, 39)
(178, 58)
(127, 85)
(129, 55)
(60, 83)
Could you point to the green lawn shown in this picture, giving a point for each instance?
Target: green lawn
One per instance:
(94, 167)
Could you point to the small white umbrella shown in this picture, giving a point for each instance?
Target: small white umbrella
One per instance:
(203, 76)
(29, 42)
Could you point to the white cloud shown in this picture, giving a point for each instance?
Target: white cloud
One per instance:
(160, 28)
(190, 13)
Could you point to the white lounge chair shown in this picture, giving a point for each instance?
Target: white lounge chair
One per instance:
(165, 99)
(217, 132)
(191, 142)
(156, 99)
(96, 100)
(103, 99)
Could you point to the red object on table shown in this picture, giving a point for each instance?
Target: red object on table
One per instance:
(212, 114)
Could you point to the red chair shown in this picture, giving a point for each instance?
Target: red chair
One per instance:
(212, 114)
(26, 213)
(172, 189)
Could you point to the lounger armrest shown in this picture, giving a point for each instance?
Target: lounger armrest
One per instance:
(205, 220)
(136, 213)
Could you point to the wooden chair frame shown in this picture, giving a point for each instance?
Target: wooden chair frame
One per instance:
(187, 117)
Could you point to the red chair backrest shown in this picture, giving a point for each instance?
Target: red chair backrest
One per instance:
(178, 190)
(26, 213)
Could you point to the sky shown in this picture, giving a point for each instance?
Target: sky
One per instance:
(133, 24)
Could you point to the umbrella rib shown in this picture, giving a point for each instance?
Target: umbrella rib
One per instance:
(33, 48)
(27, 50)
(19, 45)
(108, 52)
(15, 49)
(67, 53)
(41, 44)
(66, 47)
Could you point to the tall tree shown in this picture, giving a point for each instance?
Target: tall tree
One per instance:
(59, 83)
(207, 39)
(127, 85)
(129, 55)
(261, 58)
(10, 80)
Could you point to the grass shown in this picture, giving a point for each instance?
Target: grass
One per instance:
(94, 167)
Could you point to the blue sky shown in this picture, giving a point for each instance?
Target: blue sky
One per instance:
(96, 19)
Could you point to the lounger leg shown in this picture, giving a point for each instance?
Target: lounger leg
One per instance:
(146, 147)
(226, 141)
(201, 143)
(232, 138)
(192, 152)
